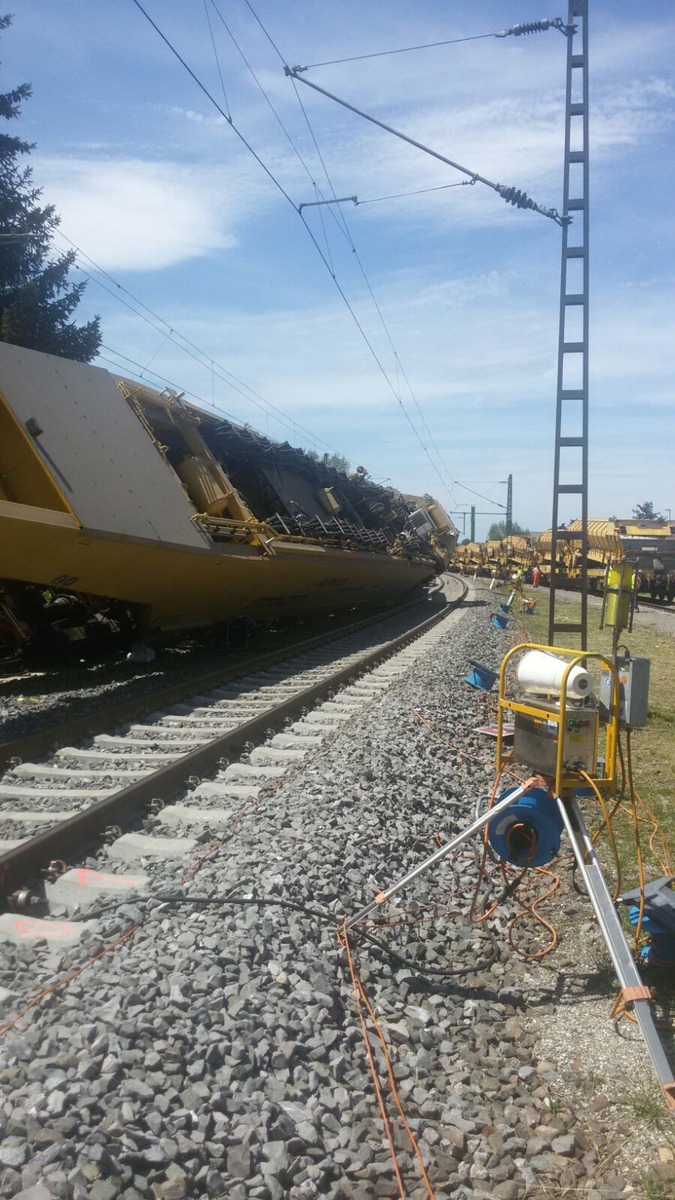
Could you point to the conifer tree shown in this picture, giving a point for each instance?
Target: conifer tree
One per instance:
(37, 300)
(647, 512)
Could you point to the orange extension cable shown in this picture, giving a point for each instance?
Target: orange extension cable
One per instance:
(53, 987)
(362, 1002)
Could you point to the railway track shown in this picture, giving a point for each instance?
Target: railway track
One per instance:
(204, 1037)
(274, 716)
(652, 605)
(105, 711)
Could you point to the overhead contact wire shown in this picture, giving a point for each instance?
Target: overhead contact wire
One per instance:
(294, 206)
(193, 351)
(215, 54)
(261, 88)
(341, 222)
(340, 218)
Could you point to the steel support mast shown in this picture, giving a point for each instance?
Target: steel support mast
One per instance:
(570, 472)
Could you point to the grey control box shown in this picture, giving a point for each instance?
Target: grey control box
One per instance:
(634, 688)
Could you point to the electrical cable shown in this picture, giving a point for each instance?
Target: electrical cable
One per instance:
(341, 224)
(395, 390)
(161, 378)
(443, 187)
(313, 239)
(480, 495)
(53, 987)
(359, 997)
(274, 112)
(261, 88)
(273, 179)
(315, 913)
(215, 55)
(341, 218)
(403, 50)
(427, 970)
(227, 377)
(515, 30)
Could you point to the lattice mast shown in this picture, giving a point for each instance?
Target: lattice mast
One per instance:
(571, 423)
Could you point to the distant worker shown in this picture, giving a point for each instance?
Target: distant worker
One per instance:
(536, 577)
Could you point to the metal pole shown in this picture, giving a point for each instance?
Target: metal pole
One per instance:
(475, 827)
(571, 420)
(510, 194)
(610, 927)
(337, 200)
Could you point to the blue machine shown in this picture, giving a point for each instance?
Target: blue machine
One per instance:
(658, 920)
(483, 678)
(528, 833)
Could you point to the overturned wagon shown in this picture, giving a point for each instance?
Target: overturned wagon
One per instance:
(124, 508)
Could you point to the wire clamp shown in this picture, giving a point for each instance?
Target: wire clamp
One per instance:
(629, 995)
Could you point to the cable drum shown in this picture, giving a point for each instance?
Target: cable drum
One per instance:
(528, 833)
(542, 673)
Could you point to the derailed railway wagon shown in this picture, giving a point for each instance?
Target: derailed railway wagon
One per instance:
(503, 558)
(126, 511)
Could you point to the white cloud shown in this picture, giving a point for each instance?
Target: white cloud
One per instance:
(468, 285)
(131, 215)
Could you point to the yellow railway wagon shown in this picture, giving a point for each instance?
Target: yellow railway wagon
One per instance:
(469, 558)
(518, 553)
(649, 544)
(148, 508)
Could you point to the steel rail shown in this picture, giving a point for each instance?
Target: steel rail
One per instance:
(52, 736)
(23, 864)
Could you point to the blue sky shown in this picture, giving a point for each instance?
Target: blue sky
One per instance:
(154, 186)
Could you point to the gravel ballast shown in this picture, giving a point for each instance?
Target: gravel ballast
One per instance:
(217, 1051)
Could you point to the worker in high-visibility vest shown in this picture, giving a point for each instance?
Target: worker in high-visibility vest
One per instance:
(536, 577)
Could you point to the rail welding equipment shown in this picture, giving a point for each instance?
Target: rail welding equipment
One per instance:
(619, 595)
(557, 721)
(541, 674)
(528, 833)
(482, 678)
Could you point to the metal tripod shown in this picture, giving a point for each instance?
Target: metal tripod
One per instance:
(633, 991)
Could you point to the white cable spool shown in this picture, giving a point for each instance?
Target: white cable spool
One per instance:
(542, 673)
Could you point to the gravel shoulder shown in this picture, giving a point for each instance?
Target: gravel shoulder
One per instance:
(217, 1051)
(650, 618)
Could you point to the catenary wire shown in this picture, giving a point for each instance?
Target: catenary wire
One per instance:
(479, 494)
(215, 54)
(262, 91)
(341, 221)
(274, 112)
(477, 37)
(161, 378)
(443, 187)
(311, 235)
(193, 351)
(448, 482)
